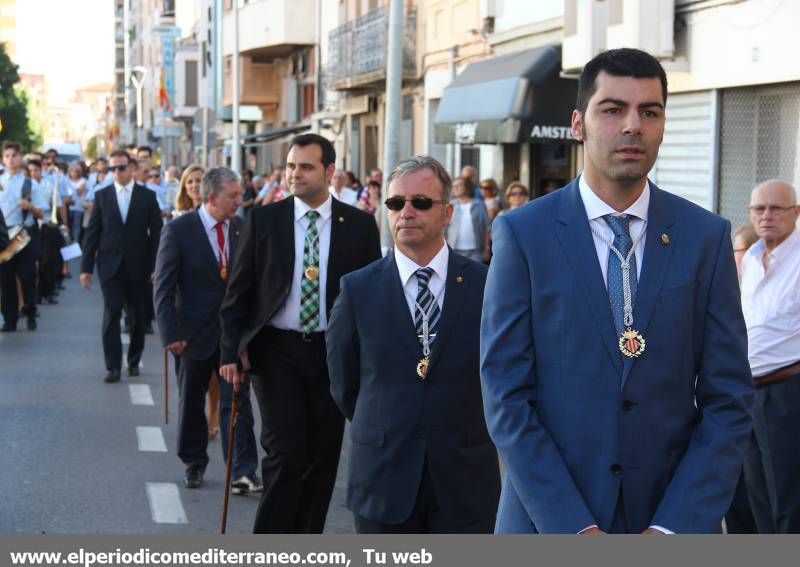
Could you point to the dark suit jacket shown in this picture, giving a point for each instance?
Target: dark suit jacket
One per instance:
(264, 265)
(188, 288)
(398, 420)
(131, 246)
(3, 232)
(574, 421)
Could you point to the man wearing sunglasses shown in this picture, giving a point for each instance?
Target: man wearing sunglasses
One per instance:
(123, 233)
(403, 360)
(284, 281)
(613, 347)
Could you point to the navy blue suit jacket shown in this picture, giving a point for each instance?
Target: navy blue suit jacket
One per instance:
(573, 421)
(188, 288)
(398, 420)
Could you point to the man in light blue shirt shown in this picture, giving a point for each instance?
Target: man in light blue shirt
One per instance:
(21, 204)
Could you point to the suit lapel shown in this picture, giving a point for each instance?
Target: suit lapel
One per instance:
(657, 255)
(572, 231)
(113, 204)
(339, 228)
(200, 234)
(393, 300)
(234, 228)
(455, 293)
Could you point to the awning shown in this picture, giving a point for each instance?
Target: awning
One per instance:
(510, 99)
(274, 134)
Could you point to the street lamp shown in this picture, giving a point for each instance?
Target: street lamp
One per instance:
(138, 74)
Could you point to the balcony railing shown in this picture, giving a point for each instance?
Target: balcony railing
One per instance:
(358, 48)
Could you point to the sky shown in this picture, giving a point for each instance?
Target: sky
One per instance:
(71, 42)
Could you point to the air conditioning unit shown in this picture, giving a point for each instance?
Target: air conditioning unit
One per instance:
(644, 24)
(585, 23)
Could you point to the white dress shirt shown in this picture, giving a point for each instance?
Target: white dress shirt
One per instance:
(771, 305)
(288, 316)
(465, 238)
(348, 196)
(124, 194)
(407, 269)
(596, 208)
(210, 225)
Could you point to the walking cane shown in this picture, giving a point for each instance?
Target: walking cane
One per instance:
(232, 430)
(166, 386)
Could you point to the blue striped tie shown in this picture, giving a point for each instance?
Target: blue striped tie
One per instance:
(623, 243)
(424, 300)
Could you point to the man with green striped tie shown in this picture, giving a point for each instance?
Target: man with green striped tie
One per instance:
(283, 283)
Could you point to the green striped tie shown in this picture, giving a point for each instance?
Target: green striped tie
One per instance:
(309, 285)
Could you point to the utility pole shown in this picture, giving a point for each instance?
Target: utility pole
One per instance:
(236, 158)
(394, 85)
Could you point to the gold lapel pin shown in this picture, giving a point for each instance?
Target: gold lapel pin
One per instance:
(664, 239)
(341, 219)
(459, 279)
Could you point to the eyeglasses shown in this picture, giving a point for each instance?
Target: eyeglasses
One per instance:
(759, 210)
(517, 194)
(113, 168)
(419, 203)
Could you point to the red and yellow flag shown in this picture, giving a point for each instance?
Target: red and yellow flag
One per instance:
(163, 95)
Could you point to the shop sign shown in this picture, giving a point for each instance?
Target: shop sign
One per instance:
(551, 132)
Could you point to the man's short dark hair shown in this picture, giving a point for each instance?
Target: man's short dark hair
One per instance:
(624, 62)
(147, 149)
(328, 152)
(10, 145)
(35, 163)
(52, 152)
(120, 154)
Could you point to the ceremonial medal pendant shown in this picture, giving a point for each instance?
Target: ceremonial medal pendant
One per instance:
(422, 367)
(631, 343)
(223, 272)
(312, 273)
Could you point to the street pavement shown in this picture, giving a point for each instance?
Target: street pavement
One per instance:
(81, 456)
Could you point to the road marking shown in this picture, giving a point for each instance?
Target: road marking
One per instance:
(126, 340)
(165, 503)
(151, 439)
(140, 395)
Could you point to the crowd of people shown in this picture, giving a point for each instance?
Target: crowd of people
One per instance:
(608, 354)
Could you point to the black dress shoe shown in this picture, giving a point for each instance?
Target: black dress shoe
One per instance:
(32, 323)
(193, 477)
(51, 300)
(133, 371)
(8, 328)
(111, 377)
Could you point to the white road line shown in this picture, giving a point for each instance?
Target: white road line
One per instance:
(126, 340)
(165, 503)
(140, 395)
(151, 439)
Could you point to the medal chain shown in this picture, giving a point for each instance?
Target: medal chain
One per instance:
(625, 265)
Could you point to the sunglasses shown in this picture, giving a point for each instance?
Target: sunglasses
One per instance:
(117, 168)
(419, 203)
(517, 194)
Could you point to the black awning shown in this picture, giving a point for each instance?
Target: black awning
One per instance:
(274, 134)
(510, 99)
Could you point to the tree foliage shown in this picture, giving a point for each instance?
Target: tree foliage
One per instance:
(14, 106)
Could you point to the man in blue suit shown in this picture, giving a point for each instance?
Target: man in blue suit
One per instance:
(403, 360)
(613, 349)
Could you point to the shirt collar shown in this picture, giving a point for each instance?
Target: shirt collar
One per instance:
(128, 187)
(407, 267)
(209, 222)
(786, 247)
(324, 210)
(597, 208)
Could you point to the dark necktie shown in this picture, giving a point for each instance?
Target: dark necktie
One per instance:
(427, 302)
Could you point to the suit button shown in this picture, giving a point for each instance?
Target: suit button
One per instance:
(616, 470)
(627, 405)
